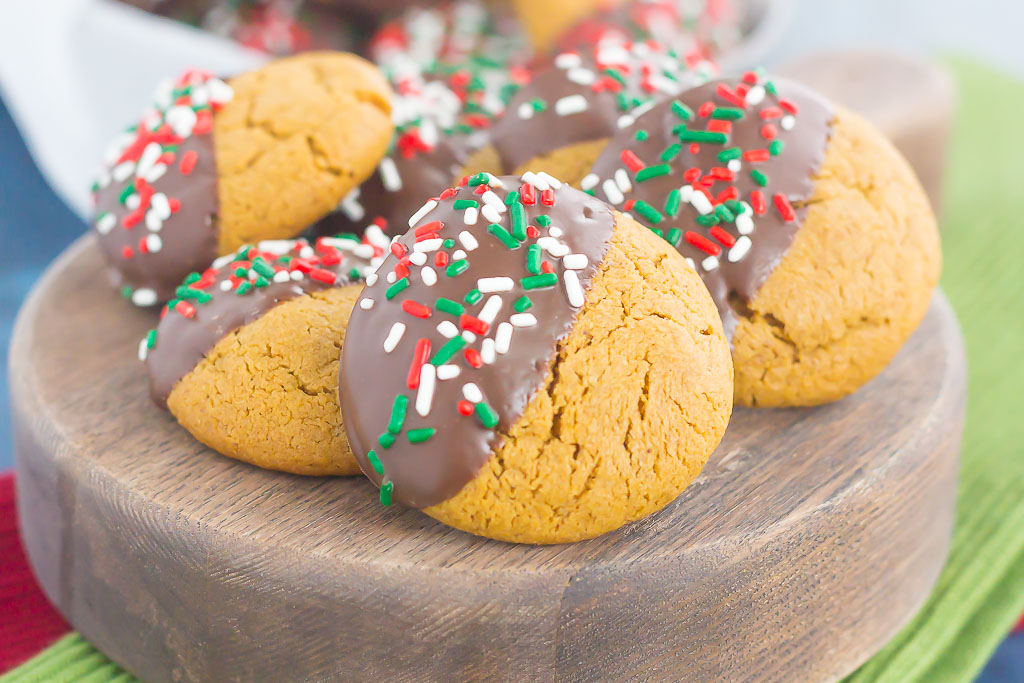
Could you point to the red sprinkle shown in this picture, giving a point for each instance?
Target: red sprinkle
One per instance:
(474, 358)
(433, 226)
(769, 131)
(789, 107)
(729, 96)
(473, 324)
(465, 407)
(691, 175)
(532, 232)
(631, 160)
(546, 267)
(703, 243)
(771, 113)
(415, 308)
(694, 148)
(719, 126)
(450, 192)
(722, 236)
(547, 197)
(401, 270)
(321, 275)
(727, 194)
(441, 259)
(750, 77)
(174, 203)
(528, 194)
(757, 202)
(705, 109)
(722, 173)
(755, 155)
(784, 207)
(419, 357)
(185, 308)
(628, 206)
(399, 249)
(188, 162)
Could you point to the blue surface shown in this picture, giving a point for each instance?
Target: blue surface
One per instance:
(35, 226)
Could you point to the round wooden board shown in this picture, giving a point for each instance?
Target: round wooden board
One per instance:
(809, 539)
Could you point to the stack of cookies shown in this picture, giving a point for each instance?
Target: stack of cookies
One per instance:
(519, 288)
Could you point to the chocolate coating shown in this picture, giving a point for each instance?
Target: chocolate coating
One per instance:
(427, 473)
(182, 342)
(615, 83)
(790, 173)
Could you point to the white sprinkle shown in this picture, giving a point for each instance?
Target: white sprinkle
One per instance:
(550, 180)
(276, 246)
(787, 122)
(625, 121)
(571, 104)
(458, 254)
(365, 304)
(392, 277)
(689, 262)
(490, 310)
(143, 350)
(581, 76)
(553, 247)
(158, 202)
(494, 181)
(612, 192)
(532, 178)
(133, 201)
(448, 329)
(740, 249)
(154, 244)
(495, 284)
(503, 338)
(148, 157)
(297, 275)
(554, 231)
(156, 173)
(468, 241)
(686, 193)
(428, 275)
(339, 243)
(710, 263)
(225, 285)
(448, 371)
(734, 165)
(375, 236)
(389, 175)
(568, 60)
(487, 351)
(700, 201)
(106, 223)
(525, 110)
(424, 210)
(371, 279)
(622, 180)
(575, 261)
(573, 288)
(282, 276)
(144, 297)
(394, 336)
(222, 261)
(469, 337)
(471, 215)
(744, 224)
(181, 119)
(472, 392)
(219, 90)
(361, 251)
(306, 251)
(755, 95)
(350, 206)
(491, 199)
(418, 258)
(491, 214)
(425, 394)
(523, 320)
(589, 181)
(428, 245)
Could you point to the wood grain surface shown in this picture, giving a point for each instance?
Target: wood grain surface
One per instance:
(809, 539)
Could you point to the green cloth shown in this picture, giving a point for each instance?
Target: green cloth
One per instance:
(981, 590)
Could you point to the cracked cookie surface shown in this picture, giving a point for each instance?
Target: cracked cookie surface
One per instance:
(298, 136)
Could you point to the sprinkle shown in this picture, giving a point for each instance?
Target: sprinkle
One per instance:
(398, 409)
(391, 179)
(631, 160)
(424, 210)
(487, 351)
(740, 249)
(710, 263)
(394, 289)
(759, 177)
(573, 288)
(488, 418)
(571, 104)
(428, 245)
(495, 284)
(490, 310)
(652, 172)
(612, 192)
(503, 236)
(365, 304)
(523, 320)
(648, 212)
(784, 207)
(420, 435)
(428, 275)
(447, 329)
(416, 309)
(394, 336)
(503, 338)
(419, 358)
(449, 349)
(188, 162)
(538, 281)
(375, 462)
(144, 297)
(523, 303)
(425, 393)
(472, 392)
(468, 241)
(703, 136)
(449, 306)
(682, 111)
(472, 296)
(322, 275)
(457, 267)
(386, 492)
(449, 371)
(575, 261)
(702, 243)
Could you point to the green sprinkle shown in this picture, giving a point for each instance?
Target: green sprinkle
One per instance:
(421, 435)
(457, 267)
(776, 147)
(673, 236)
(465, 204)
(243, 288)
(126, 292)
(544, 220)
(354, 274)
(262, 267)
(386, 440)
(523, 303)
(682, 111)
(450, 307)
(539, 104)
(151, 339)
(641, 135)
(734, 206)
(533, 259)
(473, 296)
(703, 136)
(769, 87)
(261, 282)
(723, 212)
(658, 232)
(648, 211)
(503, 236)
(479, 179)
(392, 291)
(447, 350)
(518, 212)
(671, 152)
(759, 178)
(616, 75)
(242, 255)
(538, 281)
(398, 409)
(511, 198)
(448, 243)
(672, 203)
(184, 292)
(241, 272)
(652, 172)
(386, 492)
(730, 154)
(127, 192)
(727, 113)
(375, 462)
(192, 278)
(488, 418)
(172, 303)
(708, 220)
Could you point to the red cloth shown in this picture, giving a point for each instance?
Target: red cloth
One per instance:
(28, 622)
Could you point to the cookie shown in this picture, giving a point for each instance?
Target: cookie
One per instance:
(529, 366)
(811, 232)
(246, 356)
(216, 164)
(561, 120)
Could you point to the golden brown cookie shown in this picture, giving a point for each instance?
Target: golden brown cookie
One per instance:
(215, 164)
(810, 230)
(246, 358)
(550, 371)
(546, 21)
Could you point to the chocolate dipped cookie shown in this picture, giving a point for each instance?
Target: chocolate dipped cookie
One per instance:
(561, 120)
(531, 366)
(217, 163)
(246, 355)
(810, 230)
